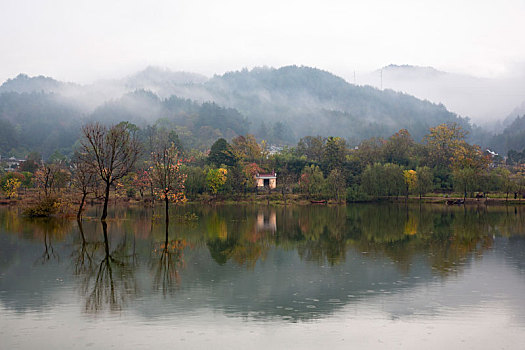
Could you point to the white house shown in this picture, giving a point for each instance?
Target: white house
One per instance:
(266, 180)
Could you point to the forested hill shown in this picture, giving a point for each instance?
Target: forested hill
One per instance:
(511, 138)
(279, 105)
(308, 101)
(23, 83)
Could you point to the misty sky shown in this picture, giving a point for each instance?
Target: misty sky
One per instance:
(87, 40)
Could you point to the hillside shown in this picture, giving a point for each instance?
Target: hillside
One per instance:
(512, 137)
(279, 105)
(23, 83)
(310, 101)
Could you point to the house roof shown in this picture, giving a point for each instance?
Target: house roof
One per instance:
(266, 176)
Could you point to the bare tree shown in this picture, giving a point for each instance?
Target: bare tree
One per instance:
(111, 152)
(84, 179)
(50, 177)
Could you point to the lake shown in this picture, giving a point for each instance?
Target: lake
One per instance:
(365, 276)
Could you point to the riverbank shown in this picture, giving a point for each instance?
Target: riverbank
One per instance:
(70, 202)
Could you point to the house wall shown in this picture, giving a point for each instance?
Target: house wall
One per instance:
(272, 185)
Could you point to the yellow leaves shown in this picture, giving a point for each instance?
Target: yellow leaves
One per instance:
(410, 179)
(443, 141)
(11, 187)
(216, 178)
(467, 156)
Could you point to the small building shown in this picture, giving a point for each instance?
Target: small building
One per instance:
(266, 180)
(11, 164)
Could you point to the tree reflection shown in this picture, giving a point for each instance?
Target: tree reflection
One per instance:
(112, 282)
(47, 230)
(83, 253)
(244, 237)
(446, 238)
(170, 258)
(440, 240)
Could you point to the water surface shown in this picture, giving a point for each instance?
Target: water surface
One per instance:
(363, 276)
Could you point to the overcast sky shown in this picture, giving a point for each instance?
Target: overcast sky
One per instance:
(87, 40)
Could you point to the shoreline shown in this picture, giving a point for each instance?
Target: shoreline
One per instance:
(276, 199)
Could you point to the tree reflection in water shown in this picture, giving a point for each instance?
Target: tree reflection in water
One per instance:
(439, 238)
(83, 254)
(169, 259)
(48, 230)
(111, 282)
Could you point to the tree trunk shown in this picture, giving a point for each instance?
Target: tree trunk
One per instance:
(79, 214)
(166, 239)
(167, 209)
(106, 199)
(81, 230)
(152, 194)
(106, 241)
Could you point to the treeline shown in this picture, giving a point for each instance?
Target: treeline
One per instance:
(153, 163)
(326, 168)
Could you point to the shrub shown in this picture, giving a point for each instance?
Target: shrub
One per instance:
(44, 208)
(355, 193)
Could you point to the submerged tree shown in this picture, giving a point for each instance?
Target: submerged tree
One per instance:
(111, 152)
(166, 175)
(84, 179)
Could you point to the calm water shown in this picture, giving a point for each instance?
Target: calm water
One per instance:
(245, 277)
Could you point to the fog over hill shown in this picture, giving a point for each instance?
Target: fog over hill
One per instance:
(280, 105)
(484, 100)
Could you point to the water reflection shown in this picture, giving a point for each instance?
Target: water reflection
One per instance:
(106, 275)
(261, 262)
(169, 260)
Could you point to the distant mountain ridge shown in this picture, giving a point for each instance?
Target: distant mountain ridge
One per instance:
(483, 100)
(24, 83)
(280, 105)
(314, 101)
